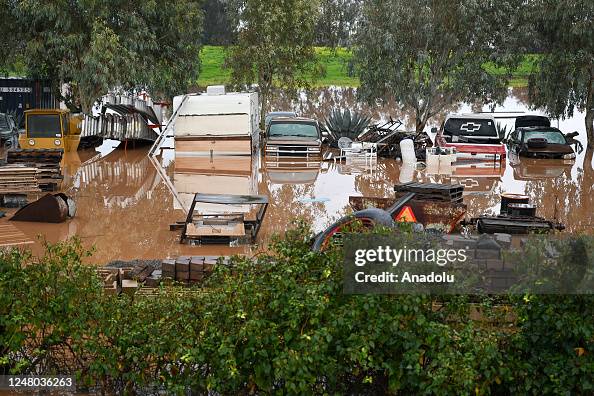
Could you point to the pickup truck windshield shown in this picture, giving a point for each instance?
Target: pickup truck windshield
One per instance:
(43, 126)
(293, 129)
(552, 137)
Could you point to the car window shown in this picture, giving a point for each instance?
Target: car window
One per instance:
(293, 129)
(553, 137)
(470, 127)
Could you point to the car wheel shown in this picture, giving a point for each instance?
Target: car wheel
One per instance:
(368, 218)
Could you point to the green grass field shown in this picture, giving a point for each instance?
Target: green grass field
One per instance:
(335, 63)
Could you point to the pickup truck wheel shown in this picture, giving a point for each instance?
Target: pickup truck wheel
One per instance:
(367, 218)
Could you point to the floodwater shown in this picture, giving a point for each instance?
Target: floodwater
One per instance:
(126, 201)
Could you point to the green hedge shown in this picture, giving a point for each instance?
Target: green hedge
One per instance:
(281, 324)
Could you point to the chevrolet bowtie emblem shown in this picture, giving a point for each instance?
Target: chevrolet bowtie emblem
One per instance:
(470, 127)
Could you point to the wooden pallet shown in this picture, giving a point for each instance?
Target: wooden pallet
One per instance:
(18, 179)
(433, 192)
(46, 161)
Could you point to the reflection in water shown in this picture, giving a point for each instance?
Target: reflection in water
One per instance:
(125, 206)
(318, 103)
(281, 170)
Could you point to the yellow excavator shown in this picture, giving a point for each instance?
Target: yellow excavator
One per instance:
(51, 129)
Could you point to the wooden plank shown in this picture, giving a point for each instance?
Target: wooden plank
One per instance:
(16, 236)
(232, 229)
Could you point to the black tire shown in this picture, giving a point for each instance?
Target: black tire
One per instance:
(370, 217)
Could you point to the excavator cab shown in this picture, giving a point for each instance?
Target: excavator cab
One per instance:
(51, 129)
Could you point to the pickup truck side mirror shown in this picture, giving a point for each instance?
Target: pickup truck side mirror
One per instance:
(434, 130)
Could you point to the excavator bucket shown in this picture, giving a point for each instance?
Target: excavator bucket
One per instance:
(51, 208)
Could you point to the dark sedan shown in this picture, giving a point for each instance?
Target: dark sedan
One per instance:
(8, 130)
(540, 142)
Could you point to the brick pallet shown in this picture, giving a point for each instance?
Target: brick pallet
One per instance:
(190, 269)
(184, 269)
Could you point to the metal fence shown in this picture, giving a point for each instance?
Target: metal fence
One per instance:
(126, 125)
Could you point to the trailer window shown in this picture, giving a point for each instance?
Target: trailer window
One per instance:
(43, 126)
(293, 129)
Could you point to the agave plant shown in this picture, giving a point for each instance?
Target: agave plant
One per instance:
(344, 123)
(501, 130)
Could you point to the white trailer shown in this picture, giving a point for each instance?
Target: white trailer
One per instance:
(216, 140)
(216, 123)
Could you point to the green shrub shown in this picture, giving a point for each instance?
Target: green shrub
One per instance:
(279, 323)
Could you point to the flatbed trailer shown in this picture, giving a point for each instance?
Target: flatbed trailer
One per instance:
(223, 228)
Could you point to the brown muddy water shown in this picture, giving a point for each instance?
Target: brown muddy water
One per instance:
(126, 201)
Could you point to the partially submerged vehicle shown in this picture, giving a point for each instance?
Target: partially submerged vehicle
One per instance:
(215, 135)
(472, 135)
(51, 129)
(216, 123)
(293, 137)
(533, 137)
(8, 130)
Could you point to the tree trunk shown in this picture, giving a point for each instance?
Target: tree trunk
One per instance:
(264, 97)
(420, 123)
(590, 127)
(265, 88)
(590, 113)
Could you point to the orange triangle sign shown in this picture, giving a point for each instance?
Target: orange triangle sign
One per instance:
(406, 215)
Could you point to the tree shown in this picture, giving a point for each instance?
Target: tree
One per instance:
(427, 54)
(218, 23)
(564, 80)
(274, 46)
(98, 45)
(337, 22)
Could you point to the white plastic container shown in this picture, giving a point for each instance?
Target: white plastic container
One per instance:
(407, 150)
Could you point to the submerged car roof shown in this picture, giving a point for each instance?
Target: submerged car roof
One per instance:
(277, 120)
(477, 116)
(532, 121)
(281, 114)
